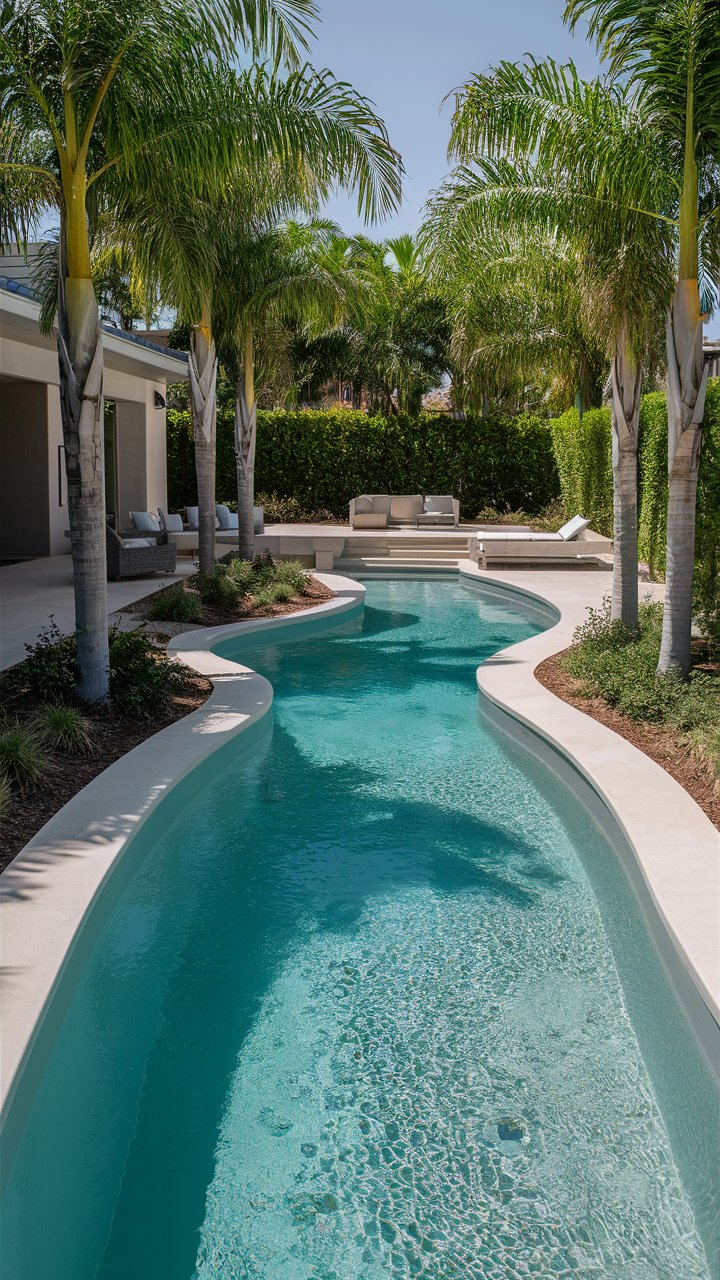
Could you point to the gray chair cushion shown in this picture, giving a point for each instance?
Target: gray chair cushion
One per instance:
(439, 504)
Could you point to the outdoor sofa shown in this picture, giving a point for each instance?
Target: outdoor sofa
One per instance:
(392, 511)
(573, 541)
(184, 534)
(135, 557)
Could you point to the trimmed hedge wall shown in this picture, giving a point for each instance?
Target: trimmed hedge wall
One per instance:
(583, 452)
(325, 459)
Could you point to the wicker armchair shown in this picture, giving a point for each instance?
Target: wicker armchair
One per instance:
(134, 562)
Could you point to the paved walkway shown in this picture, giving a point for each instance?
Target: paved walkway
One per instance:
(32, 591)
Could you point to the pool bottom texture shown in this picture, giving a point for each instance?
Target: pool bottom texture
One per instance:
(355, 1013)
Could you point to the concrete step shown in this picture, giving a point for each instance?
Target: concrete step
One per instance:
(381, 563)
(380, 568)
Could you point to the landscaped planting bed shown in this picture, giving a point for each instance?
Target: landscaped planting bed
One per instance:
(51, 745)
(610, 673)
(235, 591)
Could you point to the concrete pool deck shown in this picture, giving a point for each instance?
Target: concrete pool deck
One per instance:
(47, 891)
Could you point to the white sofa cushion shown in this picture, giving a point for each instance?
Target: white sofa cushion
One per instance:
(130, 543)
(405, 506)
(573, 528)
(145, 521)
(363, 505)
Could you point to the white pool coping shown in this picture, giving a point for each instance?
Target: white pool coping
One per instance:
(48, 889)
(676, 846)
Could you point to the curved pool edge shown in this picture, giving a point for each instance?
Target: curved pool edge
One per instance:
(674, 844)
(48, 890)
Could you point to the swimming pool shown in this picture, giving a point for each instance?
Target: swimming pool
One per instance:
(351, 1010)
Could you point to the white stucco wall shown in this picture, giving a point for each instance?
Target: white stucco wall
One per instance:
(34, 515)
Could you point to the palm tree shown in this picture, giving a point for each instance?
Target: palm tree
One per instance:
(269, 279)
(540, 124)
(93, 98)
(311, 133)
(516, 298)
(668, 53)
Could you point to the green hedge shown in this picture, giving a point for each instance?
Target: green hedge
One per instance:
(325, 459)
(583, 453)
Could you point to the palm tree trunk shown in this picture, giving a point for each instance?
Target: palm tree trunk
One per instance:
(626, 380)
(687, 383)
(245, 436)
(202, 367)
(81, 383)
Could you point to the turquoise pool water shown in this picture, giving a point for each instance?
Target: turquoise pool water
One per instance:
(351, 1011)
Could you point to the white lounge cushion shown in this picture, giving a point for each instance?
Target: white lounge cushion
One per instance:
(145, 521)
(173, 523)
(130, 543)
(232, 520)
(513, 536)
(573, 528)
(363, 505)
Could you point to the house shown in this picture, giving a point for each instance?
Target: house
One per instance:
(33, 492)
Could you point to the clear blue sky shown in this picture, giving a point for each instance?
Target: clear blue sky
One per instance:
(408, 54)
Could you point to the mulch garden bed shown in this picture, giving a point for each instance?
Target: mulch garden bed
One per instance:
(315, 593)
(112, 736)
(661, 742)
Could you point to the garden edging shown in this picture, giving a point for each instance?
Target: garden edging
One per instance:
(675, 845)
(48, 890)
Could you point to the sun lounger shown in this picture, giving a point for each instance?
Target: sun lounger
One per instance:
(574, 541)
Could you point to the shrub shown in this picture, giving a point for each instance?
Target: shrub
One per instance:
(22, 759)
(293, 574)
(264, 567)
(5, 795)
(277, 510)
(262, 598)
(218, 590)
(62, 727)
(281, 593)
(620, 665)
(142, 679)
(241, 574)
(50, 669)
(176, 605)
